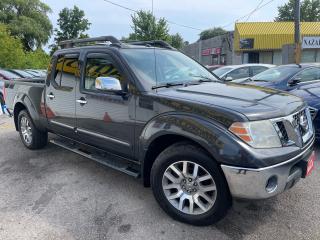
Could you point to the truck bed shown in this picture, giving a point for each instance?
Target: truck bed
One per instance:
(18, 88)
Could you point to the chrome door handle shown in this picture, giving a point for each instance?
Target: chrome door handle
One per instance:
(50, 96)
(82, 101)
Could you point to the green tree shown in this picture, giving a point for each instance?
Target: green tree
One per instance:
(177, 41)
(310, 11)
(212, 32)
(71, 24)
(38, 59)
(11, 50)
(146, 27)
(28, 20)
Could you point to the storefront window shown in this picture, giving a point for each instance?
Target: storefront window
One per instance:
(308, 56)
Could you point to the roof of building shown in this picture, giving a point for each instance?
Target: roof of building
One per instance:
(271, 35)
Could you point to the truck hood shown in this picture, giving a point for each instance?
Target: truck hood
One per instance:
(254, 102)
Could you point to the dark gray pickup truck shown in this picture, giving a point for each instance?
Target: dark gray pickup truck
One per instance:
(148, 110)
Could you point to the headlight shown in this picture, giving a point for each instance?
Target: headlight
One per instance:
(258, 134)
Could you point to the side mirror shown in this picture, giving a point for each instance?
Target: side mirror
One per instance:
(108, 84)
(228, 79)
(294, 81)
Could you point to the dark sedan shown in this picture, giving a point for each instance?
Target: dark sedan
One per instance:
(302, 80)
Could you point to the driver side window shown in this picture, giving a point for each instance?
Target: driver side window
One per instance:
(101, 66)
(239, 73)
(310, 74)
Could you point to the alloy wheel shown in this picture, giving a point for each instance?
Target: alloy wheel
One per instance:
(26, 130)
(189, 187)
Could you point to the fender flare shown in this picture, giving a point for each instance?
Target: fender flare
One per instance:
(32, 110)
(203, 131)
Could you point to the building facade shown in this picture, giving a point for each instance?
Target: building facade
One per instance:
(258, 42)
(213, 51)
(273, 42)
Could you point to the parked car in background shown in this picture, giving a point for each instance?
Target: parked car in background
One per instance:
(37, 73)
(213, 67)
(21, 73)
(233, 72)
(302, 80)
(5, 75)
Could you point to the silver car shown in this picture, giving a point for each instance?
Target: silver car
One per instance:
(233, 72)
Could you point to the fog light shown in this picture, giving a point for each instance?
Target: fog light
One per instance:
(272, 184)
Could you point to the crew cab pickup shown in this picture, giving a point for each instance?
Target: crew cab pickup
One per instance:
(148, 110)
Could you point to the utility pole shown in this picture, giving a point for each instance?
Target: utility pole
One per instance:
(297, 33)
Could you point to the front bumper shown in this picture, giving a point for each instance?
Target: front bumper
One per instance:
(250, 183)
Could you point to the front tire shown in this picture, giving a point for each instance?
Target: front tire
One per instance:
(31, 137)
(189, 185)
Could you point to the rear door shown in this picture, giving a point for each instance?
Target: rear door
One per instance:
(61, 95)
(105, 119)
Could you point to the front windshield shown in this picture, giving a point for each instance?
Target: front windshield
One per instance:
(157, 67)
(275, 74)
(220, 71)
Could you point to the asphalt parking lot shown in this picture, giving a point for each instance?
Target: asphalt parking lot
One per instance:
(55, 194)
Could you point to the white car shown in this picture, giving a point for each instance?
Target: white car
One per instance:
(233, 72)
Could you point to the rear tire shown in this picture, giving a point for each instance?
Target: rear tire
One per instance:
(204, 196)
(31, 137)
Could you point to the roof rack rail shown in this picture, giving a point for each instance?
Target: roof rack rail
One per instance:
(72, 42)
(152, 43)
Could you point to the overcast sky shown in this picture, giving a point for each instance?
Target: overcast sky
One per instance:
(108, 19)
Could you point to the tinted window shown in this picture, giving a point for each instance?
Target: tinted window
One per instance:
(257, 70)
(161, 66)
(102, 66)
(309, 75)
(69, 72)
(239, 73)
(276, 74)
(220, 71)
(66, 71)
(58, 71)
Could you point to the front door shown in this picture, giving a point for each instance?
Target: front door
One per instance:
(105, 119)
(61, 95)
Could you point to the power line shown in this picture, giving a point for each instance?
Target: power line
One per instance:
(253, 11)
(249, 14)
(135, 11)
(121, 6)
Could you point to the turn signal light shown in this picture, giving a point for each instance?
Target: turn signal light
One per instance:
(241, 131)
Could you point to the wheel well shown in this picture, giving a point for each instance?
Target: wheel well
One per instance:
(156, 147)
(17, 109)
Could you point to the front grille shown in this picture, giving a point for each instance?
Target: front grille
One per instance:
(282, 132)
(300, 121)
(295, 129)
(313, 112)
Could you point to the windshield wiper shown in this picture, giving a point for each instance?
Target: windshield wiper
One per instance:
(203, 78)
(167, 85)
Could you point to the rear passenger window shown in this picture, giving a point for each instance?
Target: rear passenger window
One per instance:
(102, 66)
(69, 72)
(310, 74)
(256, 70)
(58, 71)
(67, 68)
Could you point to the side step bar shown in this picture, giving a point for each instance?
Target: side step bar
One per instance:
(99, 156)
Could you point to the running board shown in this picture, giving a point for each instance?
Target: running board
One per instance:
(102, 157)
